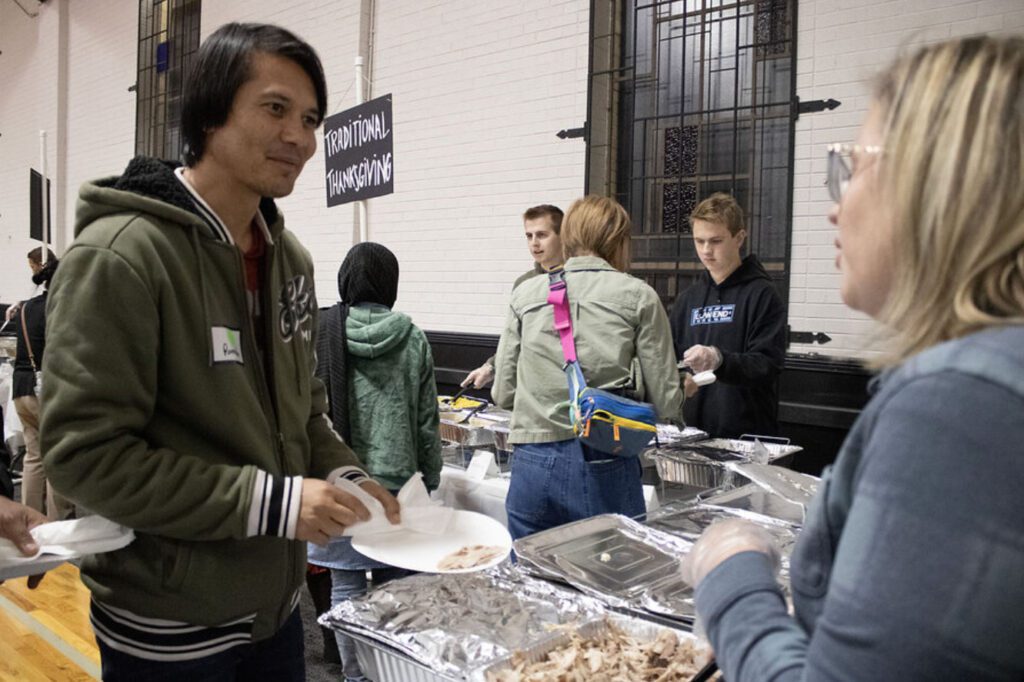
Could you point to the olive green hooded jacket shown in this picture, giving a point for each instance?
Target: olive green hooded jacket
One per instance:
(160, 412)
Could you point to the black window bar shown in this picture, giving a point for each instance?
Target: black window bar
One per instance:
(168, 40)
(705, 93)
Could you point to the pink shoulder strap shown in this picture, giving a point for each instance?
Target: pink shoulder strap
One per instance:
(557, 297)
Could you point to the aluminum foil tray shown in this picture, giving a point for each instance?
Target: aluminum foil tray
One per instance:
(779, 481)
(380, 662)
(759, 501)
(689, 520)
(455, 623)
(677, 467)
(749, 447)
(772, 491)
(612, 557)
(634, 627)
(464, 433)
(670, 433)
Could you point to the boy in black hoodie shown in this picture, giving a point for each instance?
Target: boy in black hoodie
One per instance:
(733, 322)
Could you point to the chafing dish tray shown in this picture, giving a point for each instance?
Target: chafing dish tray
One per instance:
(455, 623)
(616, 559)
(689, 520)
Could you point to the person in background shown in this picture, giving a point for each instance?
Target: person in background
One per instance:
(379, 374)
(30, 319)
(910, 564)
(542, 226)
(180, 399)
(733, 322)
(623, 343)
(35, 264)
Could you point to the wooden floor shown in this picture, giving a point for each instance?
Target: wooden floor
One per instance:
(45, 632)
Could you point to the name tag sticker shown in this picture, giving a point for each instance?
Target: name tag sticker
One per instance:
(227, 344)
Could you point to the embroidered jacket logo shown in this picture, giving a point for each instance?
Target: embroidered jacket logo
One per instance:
(296, 302)
(712, 314)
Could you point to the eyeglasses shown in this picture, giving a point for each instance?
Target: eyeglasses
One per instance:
(840, 157)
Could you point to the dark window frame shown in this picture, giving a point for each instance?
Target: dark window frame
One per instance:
(646, 177)
(169, 32)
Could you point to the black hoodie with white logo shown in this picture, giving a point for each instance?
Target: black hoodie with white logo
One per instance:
(744, 318)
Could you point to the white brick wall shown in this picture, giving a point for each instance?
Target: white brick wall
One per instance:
(28, 103)
(841, 45)
(99, 135)
(479, 90)
(102, 65)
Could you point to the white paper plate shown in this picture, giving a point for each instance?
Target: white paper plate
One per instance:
(422, 552)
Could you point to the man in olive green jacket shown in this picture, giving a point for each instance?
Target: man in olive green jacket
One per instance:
(180, 399)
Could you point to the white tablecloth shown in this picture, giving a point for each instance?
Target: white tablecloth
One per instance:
(488, 496)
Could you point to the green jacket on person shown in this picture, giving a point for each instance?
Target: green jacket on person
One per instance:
(623, 341)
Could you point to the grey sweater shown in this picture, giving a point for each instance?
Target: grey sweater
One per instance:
(911, 564)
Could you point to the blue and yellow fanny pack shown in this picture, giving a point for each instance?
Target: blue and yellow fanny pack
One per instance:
(602, 420)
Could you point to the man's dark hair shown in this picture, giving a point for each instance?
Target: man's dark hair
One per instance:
(223, 65)
(552, 213)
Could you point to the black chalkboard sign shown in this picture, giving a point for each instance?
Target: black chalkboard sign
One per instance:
(35, 208)
(358, 148)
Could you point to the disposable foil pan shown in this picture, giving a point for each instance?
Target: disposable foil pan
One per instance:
(633, 627)
(688, 521)
(670, 433)
(380, 662)
(772, 491)
(790, 485)
(455, 623)
(466, 434)
(621, 562)
(696, 471)
(760, 501)
(749, 447)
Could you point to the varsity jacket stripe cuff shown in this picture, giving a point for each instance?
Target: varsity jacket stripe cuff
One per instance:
(351, 473)
(275, 505)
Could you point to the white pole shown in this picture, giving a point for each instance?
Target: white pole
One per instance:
(363, 228)
(45, 203)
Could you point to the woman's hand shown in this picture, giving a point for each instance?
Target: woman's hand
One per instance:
(723, 540)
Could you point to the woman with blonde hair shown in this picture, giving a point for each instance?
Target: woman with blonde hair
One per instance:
(624, 345)
(911, 562)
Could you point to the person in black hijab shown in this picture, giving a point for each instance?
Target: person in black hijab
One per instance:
(379, 374)
(369, 274)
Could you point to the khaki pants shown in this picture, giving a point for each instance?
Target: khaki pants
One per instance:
(36, 492)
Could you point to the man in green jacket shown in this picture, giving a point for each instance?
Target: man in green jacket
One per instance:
(542, 226)
(180, 399)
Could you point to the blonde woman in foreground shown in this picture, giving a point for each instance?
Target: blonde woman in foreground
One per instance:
(911, 563)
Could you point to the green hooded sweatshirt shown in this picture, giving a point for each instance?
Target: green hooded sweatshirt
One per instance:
(162, 414)
(392, 397)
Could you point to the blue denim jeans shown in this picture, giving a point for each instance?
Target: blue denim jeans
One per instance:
(281, 657)
(347, 585)
(555, 483)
